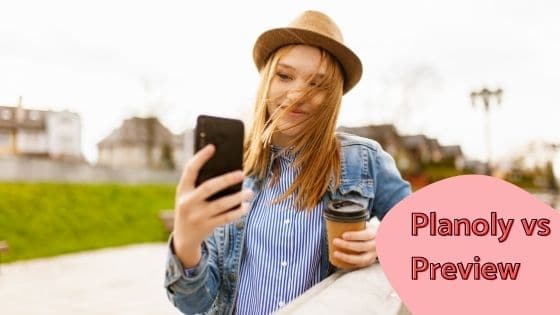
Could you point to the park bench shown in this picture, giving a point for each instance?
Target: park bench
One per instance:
(3, 248)
(166, 217)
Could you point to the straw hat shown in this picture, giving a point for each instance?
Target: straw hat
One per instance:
(315, 29)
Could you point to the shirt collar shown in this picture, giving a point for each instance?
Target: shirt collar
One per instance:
(287, 154)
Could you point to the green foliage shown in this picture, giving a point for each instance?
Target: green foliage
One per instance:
(537, 178)
(46, 219)
(439, 171)
(525, 180)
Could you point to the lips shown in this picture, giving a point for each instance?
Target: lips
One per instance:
(298, 112)
(295, 111)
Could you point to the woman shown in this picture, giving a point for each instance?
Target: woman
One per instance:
(258, 257)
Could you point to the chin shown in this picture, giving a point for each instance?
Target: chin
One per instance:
(292, 131)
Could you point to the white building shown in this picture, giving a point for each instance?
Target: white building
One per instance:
(40, 133)
(143, 143)
(137, 143)
(188, 146)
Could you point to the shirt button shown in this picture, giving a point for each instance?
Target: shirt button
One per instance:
(287, 221)
(281, 303)
(284, 263)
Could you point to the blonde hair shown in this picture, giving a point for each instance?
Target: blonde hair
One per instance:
(316, 148)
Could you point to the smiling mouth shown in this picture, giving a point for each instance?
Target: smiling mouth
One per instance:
(296, 112)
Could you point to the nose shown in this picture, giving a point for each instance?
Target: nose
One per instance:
(295, 94)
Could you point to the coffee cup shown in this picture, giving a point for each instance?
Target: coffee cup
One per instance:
(343, 216)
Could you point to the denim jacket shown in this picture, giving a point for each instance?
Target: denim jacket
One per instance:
(368, 176)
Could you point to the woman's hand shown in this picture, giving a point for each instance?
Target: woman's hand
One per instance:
(195, 217)
(360, 242)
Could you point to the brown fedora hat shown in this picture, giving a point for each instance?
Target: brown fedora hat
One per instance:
(315, 29)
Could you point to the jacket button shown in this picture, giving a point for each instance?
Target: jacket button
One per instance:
(239, 224)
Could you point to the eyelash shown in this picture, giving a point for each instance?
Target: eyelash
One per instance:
(285, 77)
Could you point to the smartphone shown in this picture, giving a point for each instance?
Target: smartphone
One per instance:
(227, 136)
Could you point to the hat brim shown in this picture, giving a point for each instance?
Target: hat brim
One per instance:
(273, 39)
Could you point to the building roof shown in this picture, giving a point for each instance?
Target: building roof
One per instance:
(434, 144)
(7, 116)
(415, 141)
(451, 150)
(138, 130)
(376, 132)
(17, 117)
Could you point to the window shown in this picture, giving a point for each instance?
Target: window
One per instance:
(34, 115)
(6, 114)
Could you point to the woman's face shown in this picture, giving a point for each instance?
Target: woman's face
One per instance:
(293, 75)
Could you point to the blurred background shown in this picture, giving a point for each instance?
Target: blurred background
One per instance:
(98, 101)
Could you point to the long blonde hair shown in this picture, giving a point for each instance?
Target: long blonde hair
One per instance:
(316, 148)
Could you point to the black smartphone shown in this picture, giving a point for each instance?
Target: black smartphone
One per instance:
(227, 136)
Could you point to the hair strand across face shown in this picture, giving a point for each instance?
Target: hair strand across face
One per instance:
(316, 148)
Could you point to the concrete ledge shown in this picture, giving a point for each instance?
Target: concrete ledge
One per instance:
(363, 291)
(43, 170)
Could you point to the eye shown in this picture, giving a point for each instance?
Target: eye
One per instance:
(318, 85)
(284, 76)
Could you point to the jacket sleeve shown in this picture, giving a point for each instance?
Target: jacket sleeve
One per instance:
(390, 187)
(193, 294)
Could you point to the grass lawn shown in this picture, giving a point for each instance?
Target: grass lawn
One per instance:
(46, 219)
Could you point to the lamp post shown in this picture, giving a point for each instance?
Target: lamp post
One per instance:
(486, 95)
(555, 160)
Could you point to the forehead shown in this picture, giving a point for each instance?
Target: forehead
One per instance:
(304, 59)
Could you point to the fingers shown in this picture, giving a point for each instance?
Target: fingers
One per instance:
(193, 166)
(213, 185)
(228, 202)
(363, 235)
(362, 243)
(361, 260)
(356, 246)
(229, 216)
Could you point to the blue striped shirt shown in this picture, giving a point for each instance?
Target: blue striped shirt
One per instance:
(282, 248)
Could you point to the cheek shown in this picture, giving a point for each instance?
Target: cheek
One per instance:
(275, 90)
(275, 93)
(317, 100)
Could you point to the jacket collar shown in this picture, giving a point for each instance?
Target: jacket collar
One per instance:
(253, 183)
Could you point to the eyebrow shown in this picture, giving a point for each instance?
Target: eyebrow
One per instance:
(318, 75)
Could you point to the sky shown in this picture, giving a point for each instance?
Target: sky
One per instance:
(111, 60)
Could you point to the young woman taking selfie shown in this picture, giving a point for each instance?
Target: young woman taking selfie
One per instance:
(256, 258)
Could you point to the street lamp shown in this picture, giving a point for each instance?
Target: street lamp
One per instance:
(486, 95)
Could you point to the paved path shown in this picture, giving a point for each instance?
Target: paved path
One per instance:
(124, 280)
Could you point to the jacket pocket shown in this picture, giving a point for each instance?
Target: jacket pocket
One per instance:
(357, 190)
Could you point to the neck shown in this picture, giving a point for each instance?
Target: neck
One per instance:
(280, 140)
